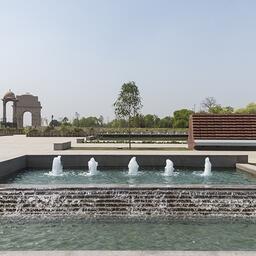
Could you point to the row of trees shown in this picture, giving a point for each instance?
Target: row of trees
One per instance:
(178, 120)
(210, 105)
(128, 107)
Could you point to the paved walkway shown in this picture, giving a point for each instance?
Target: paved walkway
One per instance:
(13, 146)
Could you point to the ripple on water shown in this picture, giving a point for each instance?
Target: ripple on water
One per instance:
(128, 234)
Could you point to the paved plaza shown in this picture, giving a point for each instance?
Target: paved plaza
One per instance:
(17, 145)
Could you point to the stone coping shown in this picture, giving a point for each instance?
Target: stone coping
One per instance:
(126, 186)
(128, 253)
(223, 142)
(249, 168)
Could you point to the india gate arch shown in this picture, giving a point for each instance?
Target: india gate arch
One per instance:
(21, 104)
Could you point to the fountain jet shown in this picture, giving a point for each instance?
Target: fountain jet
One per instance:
(133, 167)
(92, 166)
(168, 168)
(207, 167)
(57, 168)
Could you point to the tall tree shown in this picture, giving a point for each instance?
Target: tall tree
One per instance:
(128, 104)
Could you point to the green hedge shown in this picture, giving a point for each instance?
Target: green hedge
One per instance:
(67, 131)
(11, 131)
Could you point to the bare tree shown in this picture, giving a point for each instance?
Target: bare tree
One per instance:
(208, 103)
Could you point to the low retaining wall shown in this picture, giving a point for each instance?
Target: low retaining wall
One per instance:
(62, 145)
(12, 165)
(249, 168)
(117, 201)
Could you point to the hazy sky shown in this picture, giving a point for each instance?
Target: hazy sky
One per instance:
(76, 54)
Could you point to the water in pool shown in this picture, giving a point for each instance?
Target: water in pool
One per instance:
(144, 176)
(82, 234)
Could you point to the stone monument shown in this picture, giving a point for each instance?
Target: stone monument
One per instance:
(21, 104)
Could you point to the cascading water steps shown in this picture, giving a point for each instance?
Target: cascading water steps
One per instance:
(125, 200)
(175, 202)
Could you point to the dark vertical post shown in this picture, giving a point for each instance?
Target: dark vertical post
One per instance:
(129, 132)
(4, 113)
(14, 115)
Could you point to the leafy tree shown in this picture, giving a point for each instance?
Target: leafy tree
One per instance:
(117, 123)
(138, 121)
(128, 104)
(210, 105)
(181, 118)
(218, 109)
(228, 110)
(90, 121)
(249, 109)
(151, 121)
(166, 122)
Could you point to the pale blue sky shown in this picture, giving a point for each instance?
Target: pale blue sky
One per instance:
(76, 54)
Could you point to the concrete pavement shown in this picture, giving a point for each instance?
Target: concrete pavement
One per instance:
(17, 145)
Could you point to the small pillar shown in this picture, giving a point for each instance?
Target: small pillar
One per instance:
(4, 112)
(14, 118)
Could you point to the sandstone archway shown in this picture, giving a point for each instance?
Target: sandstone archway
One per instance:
(28, 103)
(21, 104)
